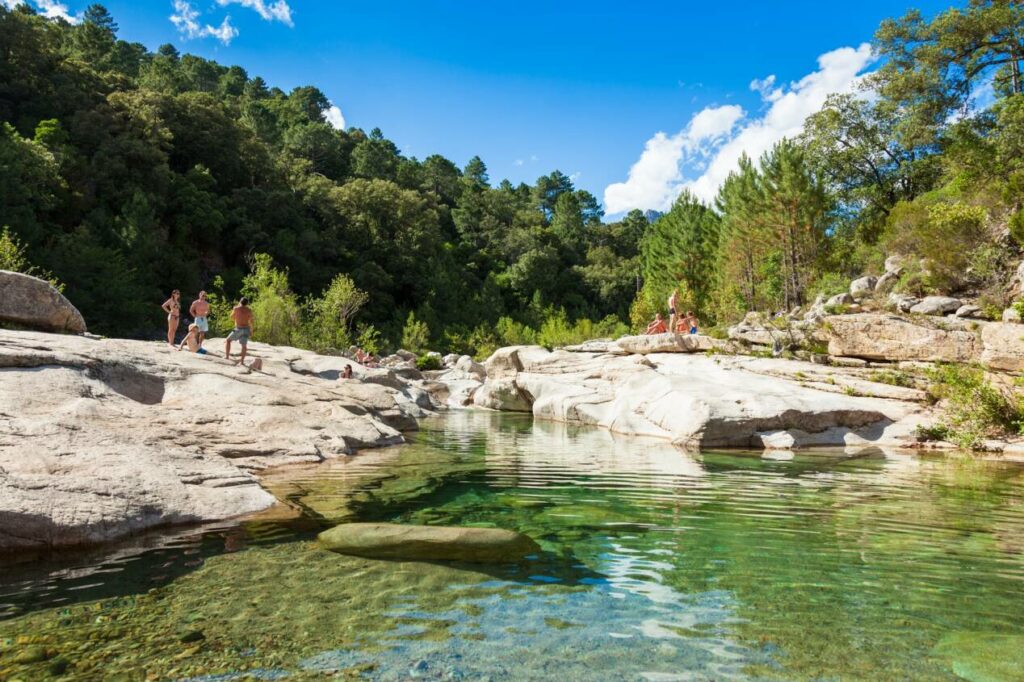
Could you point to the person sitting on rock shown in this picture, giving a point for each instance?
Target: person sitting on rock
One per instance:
(194, 340)
(691, 321)
(657, 326)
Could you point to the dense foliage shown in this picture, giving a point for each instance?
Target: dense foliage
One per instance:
(129, 173)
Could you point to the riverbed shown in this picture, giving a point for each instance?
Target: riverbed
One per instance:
(657, 564)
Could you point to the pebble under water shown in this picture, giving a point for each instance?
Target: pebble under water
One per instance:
(656, 565)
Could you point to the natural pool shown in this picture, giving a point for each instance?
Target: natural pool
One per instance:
(657, 565)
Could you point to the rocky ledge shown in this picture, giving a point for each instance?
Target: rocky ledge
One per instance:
(702, 400)
(101, 438)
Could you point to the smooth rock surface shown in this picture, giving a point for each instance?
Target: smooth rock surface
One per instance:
(863, 287)
(665, 343)
(968, 310)
(103, 438)
(34, 303)
(1011, 315)
(1003, 346)
(872, 336)
(936, 305)
(694, 400)
(428, 543)
(886, 282)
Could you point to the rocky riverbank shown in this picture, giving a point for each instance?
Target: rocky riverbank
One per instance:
(101, 438)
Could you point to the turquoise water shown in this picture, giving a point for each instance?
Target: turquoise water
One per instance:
(656, 564)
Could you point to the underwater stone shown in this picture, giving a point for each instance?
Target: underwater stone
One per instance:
(428, 543)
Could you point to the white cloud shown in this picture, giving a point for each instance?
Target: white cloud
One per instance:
(335, 117)
(278, 10)
(11, 4)
(657, 178)
(518, 162)
(700, 157)
(52, 9)
(186, 19)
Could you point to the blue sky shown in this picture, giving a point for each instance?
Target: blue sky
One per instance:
(584, 87)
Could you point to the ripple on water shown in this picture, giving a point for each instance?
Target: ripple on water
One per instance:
(656, 565)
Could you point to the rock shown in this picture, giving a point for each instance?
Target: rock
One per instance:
(862, 288)
(1003, 346)
(903, 302)
(450, 360)
(873, 336)
(428, 543)
(839, 299)
(968, 310)
(34, 303)
(895, 263)
(596, 346)
(101, 439)
(1011, 315)
(665, 343)
(470, 366)
(936, 305)
(405, 355)
(695, 400)
(886, 282)
(983, 656)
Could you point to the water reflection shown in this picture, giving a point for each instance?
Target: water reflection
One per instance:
(657, 564)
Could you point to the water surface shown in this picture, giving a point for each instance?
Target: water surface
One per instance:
(656, 565)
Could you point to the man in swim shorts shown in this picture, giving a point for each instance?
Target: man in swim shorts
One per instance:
(200, 310)
(242, 316)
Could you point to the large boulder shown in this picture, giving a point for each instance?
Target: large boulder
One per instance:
(888, 337)
(428, 543)
(665, 343)
(902, 302)
(936, 305)
(104, 438)
(472, 367)
(839, 299)
(886, 282)
(863, 287)
(34, 303)
(1011, 315)
(1003, 346)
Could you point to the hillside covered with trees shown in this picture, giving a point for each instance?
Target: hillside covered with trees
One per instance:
(127, 173)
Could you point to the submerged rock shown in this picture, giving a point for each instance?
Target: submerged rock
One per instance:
(428, 543)
(983, 656)
(34, 303)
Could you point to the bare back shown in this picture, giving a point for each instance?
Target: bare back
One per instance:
(242, 316)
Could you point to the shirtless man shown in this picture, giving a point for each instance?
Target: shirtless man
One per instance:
(673, 301)
(691, 321)
(242, 316)
(658, 326)
(172, 307)
(200, 310)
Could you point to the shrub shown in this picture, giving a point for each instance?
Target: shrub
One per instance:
(368, 338)
(428, 362)
(512, 333)
(415, 334)
(328, 318)
(893, 378)
(974, 408)
(274, 305)
(13, 258)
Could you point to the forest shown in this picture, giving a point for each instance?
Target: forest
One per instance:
(128, 173)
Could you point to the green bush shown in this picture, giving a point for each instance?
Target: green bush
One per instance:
(428, 362)
(13, 258)
(415, 335)
(974, 408)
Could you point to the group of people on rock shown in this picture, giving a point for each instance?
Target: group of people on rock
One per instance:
(241, 316)
(677, 323)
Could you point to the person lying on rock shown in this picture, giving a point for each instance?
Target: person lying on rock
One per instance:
(243, 318)
(194, 340)
(657, 326)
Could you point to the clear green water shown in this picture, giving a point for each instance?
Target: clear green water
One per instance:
(657, 565)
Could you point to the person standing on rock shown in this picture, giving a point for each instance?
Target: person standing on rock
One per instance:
(172, 307)
(200, 311)
(673, 301)
(242, 316)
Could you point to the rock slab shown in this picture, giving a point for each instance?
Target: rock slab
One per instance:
(428, 543)
(36, 304)
(871, 336)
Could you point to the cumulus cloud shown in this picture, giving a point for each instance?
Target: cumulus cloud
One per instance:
(51, 9)
(186, 19)
(11, 4)
(702, 155)
(335, 117)
(278, 10)
(657, 178)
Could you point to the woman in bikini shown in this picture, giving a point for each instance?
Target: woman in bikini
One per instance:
(172, 307)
